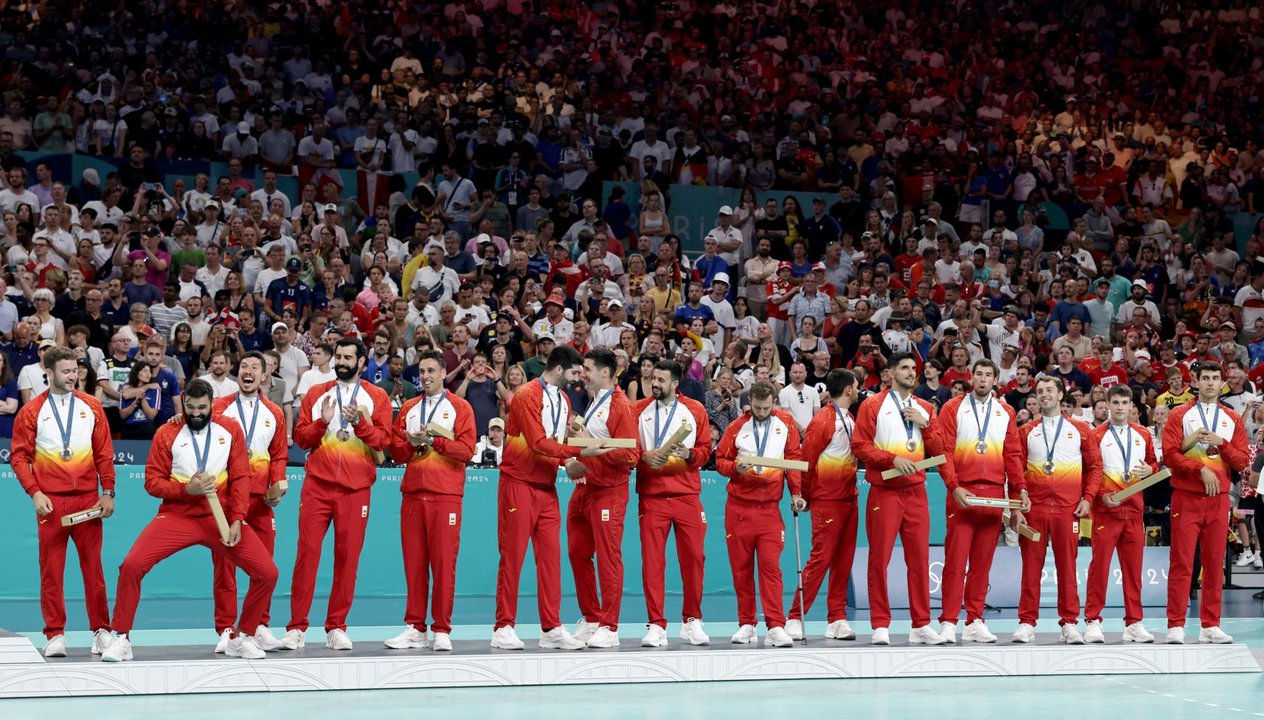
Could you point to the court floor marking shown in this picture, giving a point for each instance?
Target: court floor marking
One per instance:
(1212, 705)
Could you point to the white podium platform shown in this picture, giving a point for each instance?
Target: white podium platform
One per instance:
(195, 669)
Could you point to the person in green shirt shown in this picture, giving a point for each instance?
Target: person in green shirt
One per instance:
(1120, 286)
(53, 130)
(397, 388)
(189, 252)
(534, 366)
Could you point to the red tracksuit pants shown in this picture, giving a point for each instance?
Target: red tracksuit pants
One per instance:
(970, 542)
(168, 534)
(262, 520)
(528, 514)
(430, 529)
(659, 514)
(1202, 522)
(1123, 532)
(756, 534)
(834, 525)
(52, 563)
(1059, 529)
(901, 512)
(320, 504)
(594, 527)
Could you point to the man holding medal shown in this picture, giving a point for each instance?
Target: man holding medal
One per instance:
(829, 490)
(61, 453)
(754, 529)
(263, 426)
(675, 437)
(190, 459)
(594, 518)
(343, 423)
(1203, 442)
(1064, 472)
(982, 459)
(1127, 456)
(434, 437)
(894, 430)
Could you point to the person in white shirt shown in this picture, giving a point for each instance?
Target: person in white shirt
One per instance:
(717, 299)
(493, 442)
(607, 334)
(439, 283)
(801, 400)
(218, 378)
(16, 193)
(727, 236)
(465, 308)
(554, 322)
(319, 372)
(214, 273)
(270, 192)
(33, 381)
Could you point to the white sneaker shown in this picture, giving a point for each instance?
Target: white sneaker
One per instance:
(442, 642)
(1176, 636)
(337, 640)
(654, 637)
(584, 630)
(101, 639)
(1093, 632)
(745, 635)
(778, 637)
(925, 636)
(119, 651)
(560, 639)
(977, 631)
(221, 646)
(1214, 635)
(1137, 633)
(604, 638)
(840, 630)
(794, 628)
(294, 640)
(1071, 635)
(881, 636)
(266, 641)
(1258, 562)
(1024, 634)
(1245, 559)
(692, 631)
(410, 639)
(506, 639)
(948, 631)
(55, 647)
(244, 647)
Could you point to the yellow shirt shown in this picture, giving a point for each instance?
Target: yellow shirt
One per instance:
(414, 264)
(1171, 400)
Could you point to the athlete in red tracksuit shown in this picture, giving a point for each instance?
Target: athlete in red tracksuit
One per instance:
(595, 515)
(753, 528)
(1064, 472)
(894, 430)
(1127, 456)
(1203, 442)
(60, 486)
(668, 487)
(981, 454)
(430, 512)
(829, 488)
(263, 425)
(200, 454)
(527, 506)
(341, 470)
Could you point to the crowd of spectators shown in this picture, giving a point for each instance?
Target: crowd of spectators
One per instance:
(1053, 185)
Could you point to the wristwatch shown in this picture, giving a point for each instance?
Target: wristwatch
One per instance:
(108, 493)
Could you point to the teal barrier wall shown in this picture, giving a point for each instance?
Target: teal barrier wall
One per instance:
(187, 575)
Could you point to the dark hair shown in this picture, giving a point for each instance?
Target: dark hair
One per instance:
(837, 381)
(133, 373)
(56, 354)
(1119, 391)
(563, 356)
(670, 366)
(1207, 366)
(1057, 382)
(253, 355)
(361, 353)
(985, 362)
(198, 388)
(898, 358)
(603, 359)
(432, 355)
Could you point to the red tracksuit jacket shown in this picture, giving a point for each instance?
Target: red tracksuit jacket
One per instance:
(959, 431)
(826, 446)
(782, 440)
(1140, 461)
(1187, 467)
(676, 476)
(350, 463)
(1077, 463)
(36, 448)
(172, 463)
(439, 469)
(880, 438)
(535, 434)
(613, 419)
(269, 445)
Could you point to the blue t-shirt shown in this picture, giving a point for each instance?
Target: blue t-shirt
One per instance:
(8, 390)
(686, 313)
(148, 294)
(281, 295)
(170, 390)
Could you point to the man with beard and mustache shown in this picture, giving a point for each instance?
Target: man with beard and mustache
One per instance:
(343, 423)
(60, 453)
(263, 427)
(188, 460)
(430, 515)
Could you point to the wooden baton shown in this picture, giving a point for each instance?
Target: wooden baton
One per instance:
(379, 457)
(926, 464)
(1002, 503)
(677, 437)
(81, 517)
(1140, 485)
(588, 442)
(1026, 531)
(221, 522)
(773, 462)
(437, 430)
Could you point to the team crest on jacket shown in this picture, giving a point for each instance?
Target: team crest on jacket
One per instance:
(222, 441)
